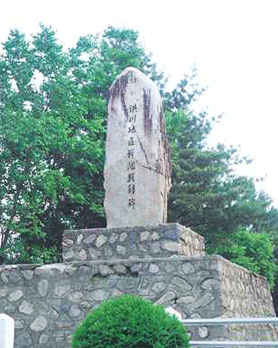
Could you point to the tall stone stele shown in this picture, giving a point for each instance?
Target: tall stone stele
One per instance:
(137, 169)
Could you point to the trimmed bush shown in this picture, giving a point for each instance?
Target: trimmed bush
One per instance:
(130, 322)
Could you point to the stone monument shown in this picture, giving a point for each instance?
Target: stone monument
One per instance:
(137, 169)
(165, 263)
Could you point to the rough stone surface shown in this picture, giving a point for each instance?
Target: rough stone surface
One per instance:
(26, 307)
(137, 168)
(43, 287)
(204, 287)
(39, 324)
(244, 295)
(118, 243)
(15, 295)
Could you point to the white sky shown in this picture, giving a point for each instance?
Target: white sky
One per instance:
(232, 42)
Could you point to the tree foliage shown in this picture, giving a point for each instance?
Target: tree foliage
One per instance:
(208, 196)
(52, 133)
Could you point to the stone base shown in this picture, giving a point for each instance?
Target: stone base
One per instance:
(164, 240)
(48, 302)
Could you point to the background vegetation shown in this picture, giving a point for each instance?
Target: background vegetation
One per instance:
(52, 134)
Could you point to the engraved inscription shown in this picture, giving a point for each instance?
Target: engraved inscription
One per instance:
(131, 126)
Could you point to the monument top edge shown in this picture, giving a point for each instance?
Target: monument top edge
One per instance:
(131, 69)
(136, 76)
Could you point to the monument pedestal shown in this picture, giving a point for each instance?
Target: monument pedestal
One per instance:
(168, 265)
(159, 263)
(164, 240)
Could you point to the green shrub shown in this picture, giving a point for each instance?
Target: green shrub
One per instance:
(130, 322)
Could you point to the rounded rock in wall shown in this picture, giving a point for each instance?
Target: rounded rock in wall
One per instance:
(75, 297)
(26, 307)
(203, 332)
(43, 287)
(19, 324)
(43, 338)
(94, 253)
(27, 274)
(39, 324)
(101, 239)
(145, 236)
(123, 236)
(79, 239)
(90, 239)
(170, 246)
(60, 290)
(153, 268)
(15, 295)
(187, 268)
(99, 295)
(113, 238)
(121, 249)
(85, 306)
(120, 269)
(74, 311)
(3, 292)
(4, 278)
(82, 255)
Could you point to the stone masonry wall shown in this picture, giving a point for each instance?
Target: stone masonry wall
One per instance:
(120, 243)
(48, 302)
(246, 294)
